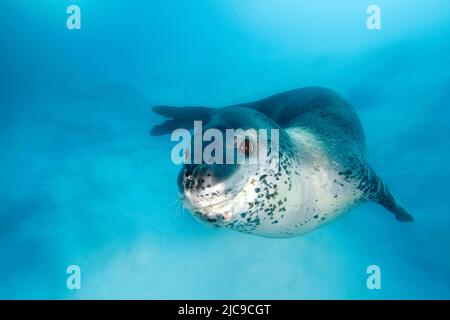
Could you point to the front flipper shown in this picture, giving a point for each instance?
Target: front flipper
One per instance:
(179, 117)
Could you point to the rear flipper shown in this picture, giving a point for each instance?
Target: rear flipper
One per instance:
(380, 193)
(388, 201)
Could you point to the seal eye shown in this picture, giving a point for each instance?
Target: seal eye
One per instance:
(246, 147)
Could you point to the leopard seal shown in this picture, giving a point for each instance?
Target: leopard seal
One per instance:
(321, 170)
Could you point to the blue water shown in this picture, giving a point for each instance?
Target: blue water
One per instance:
(82, 182)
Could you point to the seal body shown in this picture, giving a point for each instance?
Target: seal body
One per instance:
(320, 173)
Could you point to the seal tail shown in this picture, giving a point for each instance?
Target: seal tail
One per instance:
(380, 193)
(179, 117)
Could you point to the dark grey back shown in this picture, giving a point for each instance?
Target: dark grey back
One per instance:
(322, 111)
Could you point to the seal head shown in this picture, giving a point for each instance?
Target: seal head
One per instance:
(224, 194)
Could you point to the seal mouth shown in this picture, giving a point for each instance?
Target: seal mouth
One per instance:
(215, 204)
(218, 212)
(214, 207)
(198, 203)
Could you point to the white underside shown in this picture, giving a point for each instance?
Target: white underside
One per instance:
(315, 182)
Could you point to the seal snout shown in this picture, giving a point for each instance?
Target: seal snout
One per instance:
(195, 177)
(210, 190)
